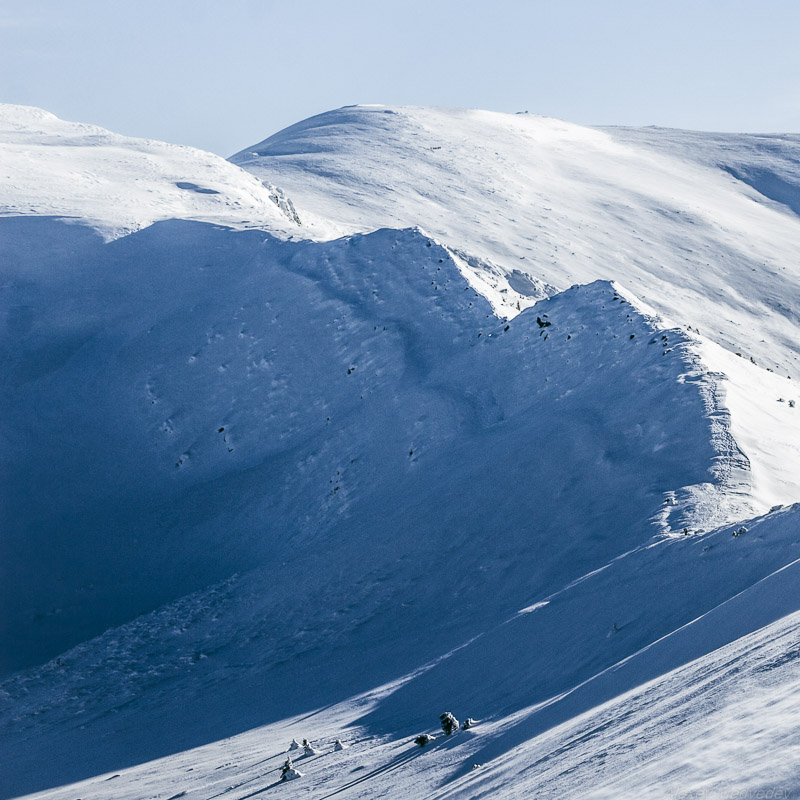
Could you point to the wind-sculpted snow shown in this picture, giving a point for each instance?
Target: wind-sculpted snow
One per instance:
(730, 702)
(721, 726)
(390, 431)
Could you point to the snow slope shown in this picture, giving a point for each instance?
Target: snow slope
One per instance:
(395, 427)
(538, 199)
(49, 167)
(704, 715)
(209, 397)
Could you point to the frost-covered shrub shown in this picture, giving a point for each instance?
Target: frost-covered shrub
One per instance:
(288, 772)
(449, 723)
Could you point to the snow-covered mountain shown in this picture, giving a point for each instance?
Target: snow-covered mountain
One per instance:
(400, 411)
(701, 227)
(116, 184)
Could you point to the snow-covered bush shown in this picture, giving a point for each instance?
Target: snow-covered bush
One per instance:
(467, 724)
(308, 750)
(288, 772)
(449, 723)
(424, 739)
(295, 745)
(338, 745)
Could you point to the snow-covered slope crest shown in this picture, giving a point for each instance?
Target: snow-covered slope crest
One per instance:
(214, 381)
(547, 201)
(118, 184)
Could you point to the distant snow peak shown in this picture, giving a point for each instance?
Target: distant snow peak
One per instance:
(118, 184)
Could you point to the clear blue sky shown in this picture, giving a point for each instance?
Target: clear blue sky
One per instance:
(224, 74)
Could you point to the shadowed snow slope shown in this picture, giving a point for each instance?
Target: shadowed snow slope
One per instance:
(260, 486)
(251, 396)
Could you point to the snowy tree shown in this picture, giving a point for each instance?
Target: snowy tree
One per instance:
(295, 745)
(308, 750)
(288, 772)
(467, 724)
(424, 739)
(338, 745)
(449, 723)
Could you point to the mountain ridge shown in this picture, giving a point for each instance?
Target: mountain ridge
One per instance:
(368, 434)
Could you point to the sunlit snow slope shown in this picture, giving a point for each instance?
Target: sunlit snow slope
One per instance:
(676, 217)
(420, 411)
(115, 183)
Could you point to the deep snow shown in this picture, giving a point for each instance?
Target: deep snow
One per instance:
(439, 411)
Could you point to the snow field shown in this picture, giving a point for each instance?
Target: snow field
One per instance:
(403, 411)
(117, 184)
